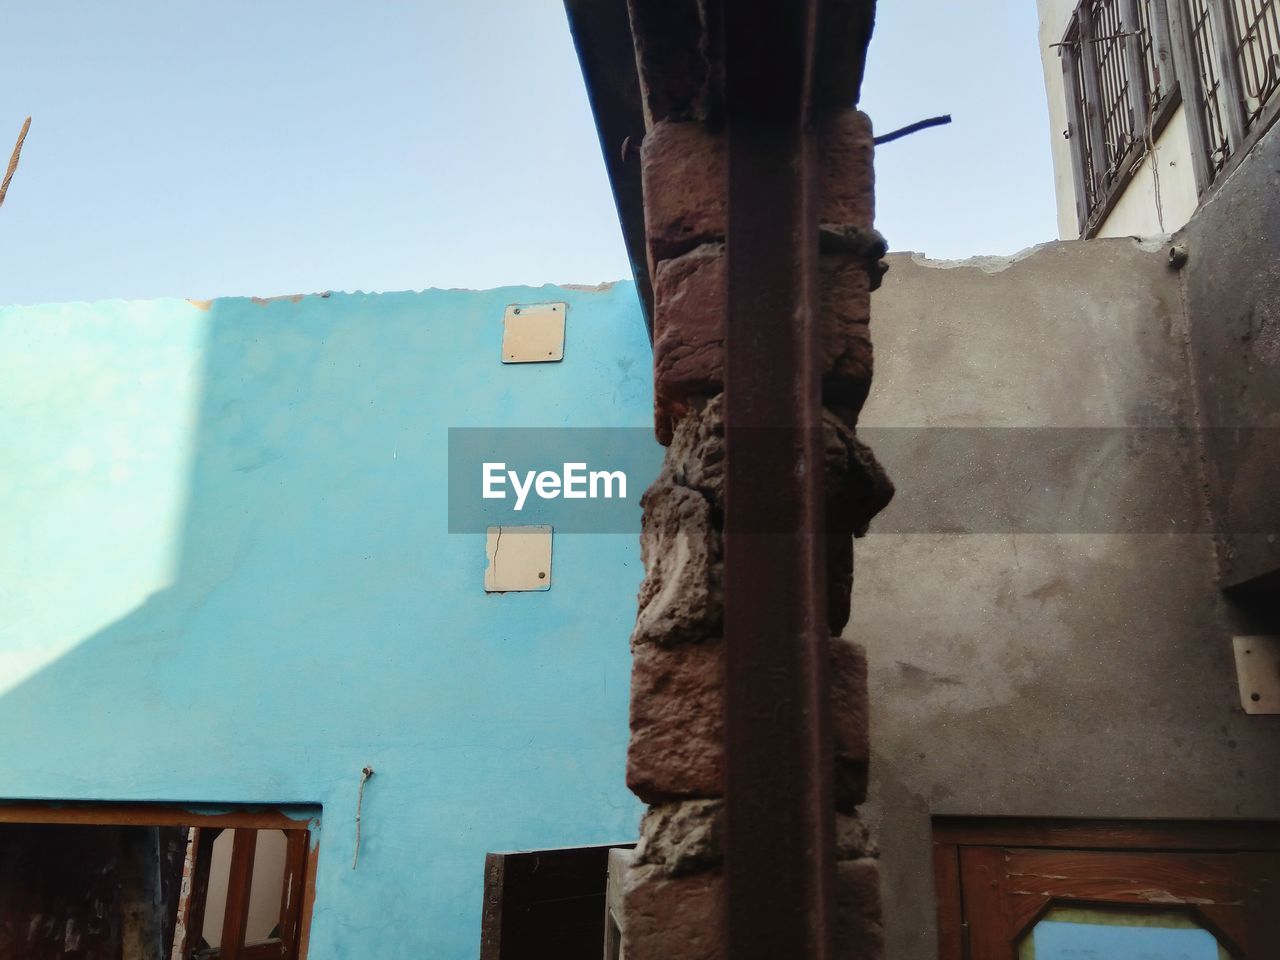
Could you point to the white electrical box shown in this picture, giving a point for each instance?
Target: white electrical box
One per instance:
(533, 332)
(519, 559)
(1258, 672)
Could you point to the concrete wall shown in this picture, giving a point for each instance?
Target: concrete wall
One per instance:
(1135, 215)
(225, 577)
(1062, 673)
(1232, 288)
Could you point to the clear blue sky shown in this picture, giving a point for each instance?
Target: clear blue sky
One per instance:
(246, 147)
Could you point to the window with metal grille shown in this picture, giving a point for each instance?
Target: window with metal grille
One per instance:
(1210, 76)
(1119, 77)
(1232, 52)
(1257, 27)
(1128, 64)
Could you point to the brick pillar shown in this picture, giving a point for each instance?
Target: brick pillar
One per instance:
(675, 764)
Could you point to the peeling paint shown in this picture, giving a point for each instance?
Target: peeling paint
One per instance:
(997, 263)
(600, 287)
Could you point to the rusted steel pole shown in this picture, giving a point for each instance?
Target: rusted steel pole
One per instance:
(779, 856)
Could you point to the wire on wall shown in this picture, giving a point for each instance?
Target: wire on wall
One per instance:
(365, 774)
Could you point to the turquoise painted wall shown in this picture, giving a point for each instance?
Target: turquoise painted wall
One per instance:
(225, 576)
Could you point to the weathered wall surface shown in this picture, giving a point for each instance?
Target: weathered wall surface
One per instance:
(225, 577)
(1232, 289)
(1077, 674)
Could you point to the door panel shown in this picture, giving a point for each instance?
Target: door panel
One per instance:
(1022, 902)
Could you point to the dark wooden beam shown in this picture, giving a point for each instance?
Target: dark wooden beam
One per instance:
(602, 35)
(239, 881)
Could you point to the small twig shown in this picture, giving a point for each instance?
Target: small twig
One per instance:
(13, 160)
(365, 774)
(912, 128)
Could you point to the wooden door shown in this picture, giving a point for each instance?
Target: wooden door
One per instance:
(1028, 890)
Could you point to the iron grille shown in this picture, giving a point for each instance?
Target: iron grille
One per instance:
(1157, 84)
(1111, 136)
(1117, 119)
(1083, 137)
(1211, 93)
(1257, 25)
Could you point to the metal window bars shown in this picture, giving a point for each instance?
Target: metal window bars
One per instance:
(1158, 83)
(1231, 55)
(1211, 97)
(1257, 52)
(1112, 71)
(1109, 38)
(1118, 61)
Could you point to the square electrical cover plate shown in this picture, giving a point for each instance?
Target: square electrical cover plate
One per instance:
(519, 559)
(533, 332)
(1258, 672)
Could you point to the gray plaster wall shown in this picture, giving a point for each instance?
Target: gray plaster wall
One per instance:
(1060, 673)
(1231, 285)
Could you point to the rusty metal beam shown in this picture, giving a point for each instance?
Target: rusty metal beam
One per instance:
(779, 856)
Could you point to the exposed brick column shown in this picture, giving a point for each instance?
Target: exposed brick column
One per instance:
(676, 756)
(675, 891)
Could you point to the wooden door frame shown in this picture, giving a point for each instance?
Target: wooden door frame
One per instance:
(952, 835)
(300, 823)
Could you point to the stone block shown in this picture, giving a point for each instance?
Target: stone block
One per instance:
(846, 152)
(677, 722)
(671, 57)
(853, 838)
(680, 596)
(683, 837)
(695, 457)
(858, 933)
(673, 918)
(845, 301)
(685, 183)
(688, 329)
(849, 722)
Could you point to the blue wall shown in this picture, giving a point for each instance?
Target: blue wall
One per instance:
(225, 576)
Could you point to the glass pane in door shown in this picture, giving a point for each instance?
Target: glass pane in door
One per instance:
(1071, 933)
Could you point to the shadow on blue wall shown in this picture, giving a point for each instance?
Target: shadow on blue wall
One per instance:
(321, 617)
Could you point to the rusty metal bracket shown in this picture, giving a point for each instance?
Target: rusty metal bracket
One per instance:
(779, 856)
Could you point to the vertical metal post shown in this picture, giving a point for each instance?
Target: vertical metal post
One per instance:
(1161, 48)
(1222, 20)
(1098, 153)
(1189, 81)
(779, 847)
(1076, 135)
(1139, 104)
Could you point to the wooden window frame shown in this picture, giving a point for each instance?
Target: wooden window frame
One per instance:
(299, 824)
(951, 835)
